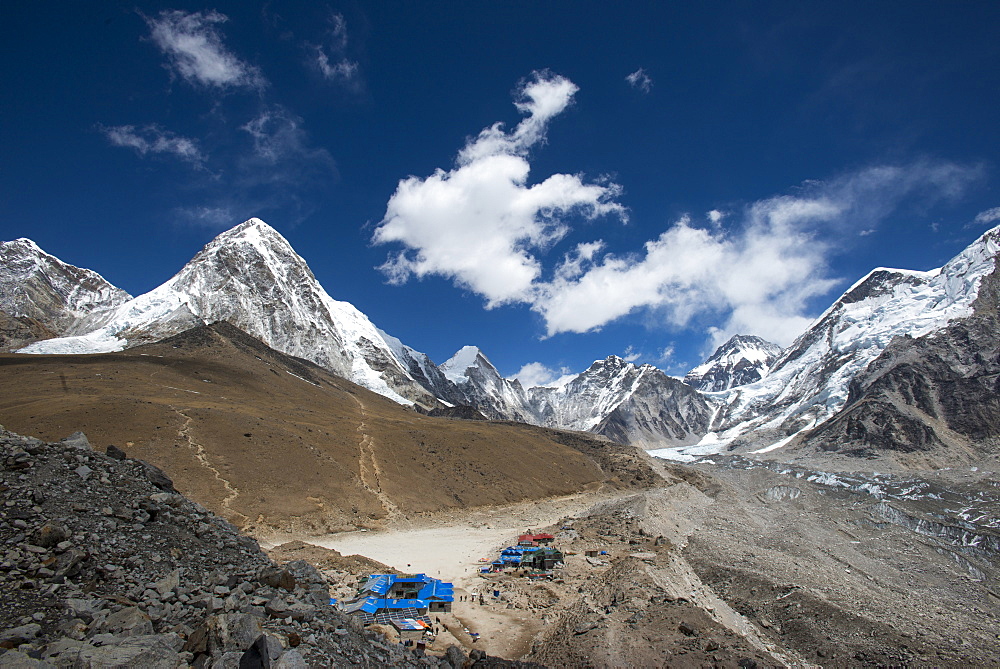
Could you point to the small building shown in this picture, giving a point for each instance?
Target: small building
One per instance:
(389, 597)
(541, 539)
(514, 556)
(543, 559)
(410, 628)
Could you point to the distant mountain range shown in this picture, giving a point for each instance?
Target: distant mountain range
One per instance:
(748, 396)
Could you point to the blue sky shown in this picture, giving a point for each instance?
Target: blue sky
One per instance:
(553, 182)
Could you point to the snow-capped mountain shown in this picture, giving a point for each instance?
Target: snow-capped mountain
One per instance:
(625, 402)
(930, 399)
(811, 381)
(856, 359)
(251, 277)
(741, 360)
(482, 386)
(64, 299)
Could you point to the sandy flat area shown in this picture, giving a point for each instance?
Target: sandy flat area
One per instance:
(449, 553)
(454, 548)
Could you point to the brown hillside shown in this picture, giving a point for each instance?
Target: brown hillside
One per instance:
(276, 444)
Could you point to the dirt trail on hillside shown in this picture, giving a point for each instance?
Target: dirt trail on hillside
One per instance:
(279, 446)
(232, 492)
(368, 467)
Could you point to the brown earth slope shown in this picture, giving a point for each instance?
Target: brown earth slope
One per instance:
(276, 444)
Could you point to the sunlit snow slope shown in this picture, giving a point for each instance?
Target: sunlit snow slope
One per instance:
(251, 277)
(66, 299)
(811, 380)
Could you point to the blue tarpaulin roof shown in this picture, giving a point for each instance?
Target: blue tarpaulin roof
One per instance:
(368, 605)
(403, 603)
(382, 583)
(438, 590)
(371, 604)
(518, 550)
(379, 585)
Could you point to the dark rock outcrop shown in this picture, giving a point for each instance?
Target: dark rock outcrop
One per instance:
(100, 567)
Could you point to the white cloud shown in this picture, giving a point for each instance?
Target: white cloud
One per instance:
(276, 134)
(757, 277)
(666, 354)
(270, 168)
(154, 139)
(211, 217)
(481, 225)
(342, 70)
(988, 216)
(640, 80)
(338, 31)
(281, 147)
(333, 65)
(762, 277)
(480, 222)
(536, 374)
(194, 46)
(630, 354)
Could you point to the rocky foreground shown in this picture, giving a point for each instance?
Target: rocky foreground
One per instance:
(103, 563)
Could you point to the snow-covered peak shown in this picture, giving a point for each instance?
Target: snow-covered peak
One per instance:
(479, 384)
(610, 364)
(624, 401)
(251, 277)
(470, 361)
(741, 360)
(466, 357)
(252, 231)
(25, 244)
(36, 284)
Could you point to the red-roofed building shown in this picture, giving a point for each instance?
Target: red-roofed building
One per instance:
(535, 539)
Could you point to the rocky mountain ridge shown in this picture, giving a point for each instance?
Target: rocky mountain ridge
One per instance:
(483, 387)
(625, 402)
(51, 296)
(812, 379)
(251, 277)
(752, 399)
(929, 400)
